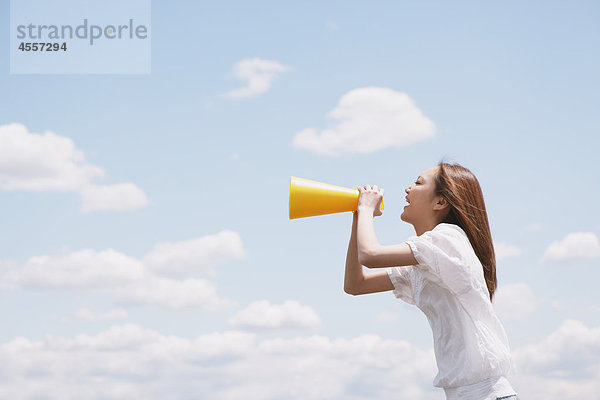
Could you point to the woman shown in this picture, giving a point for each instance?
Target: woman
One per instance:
(448, 270)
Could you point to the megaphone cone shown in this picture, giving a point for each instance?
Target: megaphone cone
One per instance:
(309, 198)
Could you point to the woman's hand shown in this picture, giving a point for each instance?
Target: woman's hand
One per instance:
(370, 199)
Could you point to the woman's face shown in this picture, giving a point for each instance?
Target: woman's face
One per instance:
(421, 198)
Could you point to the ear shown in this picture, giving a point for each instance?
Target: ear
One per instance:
(440, 203)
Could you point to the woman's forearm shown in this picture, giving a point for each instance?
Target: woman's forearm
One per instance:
(354, 270)
(366, 239)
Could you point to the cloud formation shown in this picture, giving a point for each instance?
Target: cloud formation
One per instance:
(119, 197)
(81, 270)
(50, 162)
(84, 313)
(515, 301)
(564, 365)
(176, 294)
(259, 74)
(505, 250)
(574, 246)
(131, 280)
(129, 361)
(196, 255)
(369, 119)
(264, 315)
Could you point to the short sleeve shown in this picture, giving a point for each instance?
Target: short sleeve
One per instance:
(403, 279)
(426, 251)
(442, 253)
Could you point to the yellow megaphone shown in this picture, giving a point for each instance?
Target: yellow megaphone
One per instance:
(309, 198)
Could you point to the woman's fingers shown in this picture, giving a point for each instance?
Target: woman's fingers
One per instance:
(369, 188)
(370, 196)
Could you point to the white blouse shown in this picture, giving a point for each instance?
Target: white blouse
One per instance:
(448, 285)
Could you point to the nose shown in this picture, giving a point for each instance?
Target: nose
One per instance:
(407, 190)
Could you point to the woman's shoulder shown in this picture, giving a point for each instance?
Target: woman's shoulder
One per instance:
(442, 236)
(446, 228)
(450, 235)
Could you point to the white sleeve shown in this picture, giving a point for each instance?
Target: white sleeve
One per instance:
(442, 252)
(404, 281)
(426, 249)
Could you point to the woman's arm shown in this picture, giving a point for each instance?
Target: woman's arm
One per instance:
(370, 252)
(355, 280)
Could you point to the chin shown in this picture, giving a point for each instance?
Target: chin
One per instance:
(403, 217)
(406, 218)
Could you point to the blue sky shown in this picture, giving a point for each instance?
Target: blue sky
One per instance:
(196, 184)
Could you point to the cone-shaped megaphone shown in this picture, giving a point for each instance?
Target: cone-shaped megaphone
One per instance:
(309, 198)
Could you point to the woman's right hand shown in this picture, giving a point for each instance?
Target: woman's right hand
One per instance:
(370, 199)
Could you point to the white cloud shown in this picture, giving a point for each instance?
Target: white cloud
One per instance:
(50, 162)
(128, 361)
(33, 162)
(593, 308)
(119, 197)
(259, 74)
(572, 348)
(565, 365)
(370, 119)
(164, 292)
(132, 280)
(82, 270)
(515, 301)
(263, 315)
(574, 246)
(195, 255)
(84, 313)
(505, 250)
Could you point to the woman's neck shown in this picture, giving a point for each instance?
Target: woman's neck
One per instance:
(425, 226)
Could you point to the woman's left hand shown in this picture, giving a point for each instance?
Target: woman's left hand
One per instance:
(370, 199)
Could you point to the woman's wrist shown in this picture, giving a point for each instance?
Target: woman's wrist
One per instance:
(365, 209)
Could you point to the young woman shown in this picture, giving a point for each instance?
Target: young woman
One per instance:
(448, 270)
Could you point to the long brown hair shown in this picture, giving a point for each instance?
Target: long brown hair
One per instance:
(461, 189)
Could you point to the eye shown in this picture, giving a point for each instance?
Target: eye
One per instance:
(417, 182)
